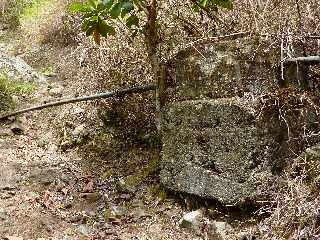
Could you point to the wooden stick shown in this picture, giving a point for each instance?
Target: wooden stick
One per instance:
(117, 93)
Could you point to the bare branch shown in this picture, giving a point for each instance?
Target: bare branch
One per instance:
(118, 93)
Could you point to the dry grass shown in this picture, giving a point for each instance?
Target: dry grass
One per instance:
(295, 214)
(121, 61)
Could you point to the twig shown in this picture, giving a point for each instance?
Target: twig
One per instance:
(118, 93)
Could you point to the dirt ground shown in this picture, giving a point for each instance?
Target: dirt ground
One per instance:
(47, 192)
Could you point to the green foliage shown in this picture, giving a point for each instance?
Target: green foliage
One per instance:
(99, 15)
(11, 87)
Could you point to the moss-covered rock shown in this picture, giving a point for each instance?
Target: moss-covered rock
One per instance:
(213, 148)
(220, 70)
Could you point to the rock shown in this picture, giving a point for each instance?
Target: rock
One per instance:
(43, 177)
(77, 110)
(56, 91)
(5, 132)
(44, 140)
(84, 230)
(219, 230)
(79, 132)
(191, 220)
(219, 142)
(213, 149)
(221, 70)
(18, 70)
(140, 213)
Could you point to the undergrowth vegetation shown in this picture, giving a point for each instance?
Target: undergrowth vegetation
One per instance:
(121, 60)
(13, 87)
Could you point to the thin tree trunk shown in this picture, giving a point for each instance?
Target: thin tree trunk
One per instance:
(152, 42)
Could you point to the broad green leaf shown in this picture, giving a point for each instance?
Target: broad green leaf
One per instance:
(85, 25)
(89, 15)
(94, 19)
(79, 8)
(105, 29)
(132, 21)
(116, 10)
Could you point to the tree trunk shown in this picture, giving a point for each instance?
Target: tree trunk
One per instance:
(152, 42)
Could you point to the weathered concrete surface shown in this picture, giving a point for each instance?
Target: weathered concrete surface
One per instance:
(222, 70)
(213, 148)
(219, 140)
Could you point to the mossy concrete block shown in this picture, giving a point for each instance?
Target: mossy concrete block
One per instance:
(213, 149)
(222, 70)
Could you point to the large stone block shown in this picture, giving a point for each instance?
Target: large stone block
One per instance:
(214, 149)
(222, 70)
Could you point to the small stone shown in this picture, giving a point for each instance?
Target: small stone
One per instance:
(191, 220)
(44, 141)
(56, 91)
(78, 110)
(84, 230)
(79, 132)
(220, 230)
(141, 213)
